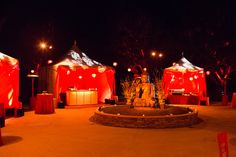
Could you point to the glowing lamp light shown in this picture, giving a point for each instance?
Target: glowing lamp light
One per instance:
(68, 72)
(190, 78)
(195, 76)
(173, 63)
(94, 75)
(50, 47)
(208, 72)
(115, 64)
(129, 69)
(144, 69)
(50, 61)
(101, 69)
(153, 54)
(80, 77)
(32, 71)
(160, 55)
(43, 45)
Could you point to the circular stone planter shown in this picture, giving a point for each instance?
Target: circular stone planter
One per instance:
(139, 117)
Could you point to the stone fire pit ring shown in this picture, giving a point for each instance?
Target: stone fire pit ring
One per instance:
(113, 116)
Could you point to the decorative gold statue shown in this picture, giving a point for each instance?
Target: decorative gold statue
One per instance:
(144, 93)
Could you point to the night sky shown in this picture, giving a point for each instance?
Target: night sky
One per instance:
(106, 30)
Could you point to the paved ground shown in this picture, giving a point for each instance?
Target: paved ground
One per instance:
(68, 132)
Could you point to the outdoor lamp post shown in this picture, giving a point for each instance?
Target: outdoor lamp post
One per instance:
(44, 47)
(157, 56)
(115, 97)
(32, 98)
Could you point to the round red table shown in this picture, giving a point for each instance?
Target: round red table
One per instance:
(44, 104)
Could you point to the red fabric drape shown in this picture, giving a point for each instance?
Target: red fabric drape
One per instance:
(192, 81)
(86, 79)
(9, 81)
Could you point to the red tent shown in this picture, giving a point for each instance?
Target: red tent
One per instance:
(185, 78)
(9, 81)
(78, 71)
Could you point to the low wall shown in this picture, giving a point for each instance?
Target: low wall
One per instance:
(167, 121)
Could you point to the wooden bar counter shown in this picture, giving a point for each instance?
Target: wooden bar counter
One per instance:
(81, 97)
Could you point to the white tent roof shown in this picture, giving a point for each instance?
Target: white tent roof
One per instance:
(10, 60)
(76, 57)
(184, 65)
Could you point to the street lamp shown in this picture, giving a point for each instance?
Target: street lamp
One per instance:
(115, 64)
(44, 47)
(32, 75)
(157, 55)
(115, 97)
(153, 54)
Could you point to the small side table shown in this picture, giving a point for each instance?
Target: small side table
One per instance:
(44, 103)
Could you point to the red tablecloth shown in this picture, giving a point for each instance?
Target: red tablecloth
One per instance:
(44, 104)
(182, 99)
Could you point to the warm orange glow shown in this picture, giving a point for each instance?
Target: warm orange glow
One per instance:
(144, 69)
(153, 54)
(50, 61)
(10, 97)
(32, 71)
(68, 72)
(94, 75)
(80, 77)
(82, 97)
(208, 72)
(191, 78)
(195, 76)
(129, 69)
(115, 64)
(101, 69)
(43, 45)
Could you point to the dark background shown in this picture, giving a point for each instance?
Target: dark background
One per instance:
(110, 31)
